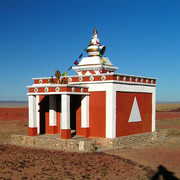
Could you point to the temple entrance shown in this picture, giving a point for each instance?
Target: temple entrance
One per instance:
(75, 115)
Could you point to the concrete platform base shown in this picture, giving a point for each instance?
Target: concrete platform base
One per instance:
(124, 140)
(78, 143)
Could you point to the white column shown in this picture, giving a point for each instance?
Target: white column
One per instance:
(85, 112)
(32, 111)
(111, 112)
(154, 110)
(37, 115)
(52, 111)
(65, 111)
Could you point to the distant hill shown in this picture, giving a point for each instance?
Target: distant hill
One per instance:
(13, 104)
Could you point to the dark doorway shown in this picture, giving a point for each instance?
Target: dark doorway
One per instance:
(58, 103)
(73, 116)
(75, 103)
(44, 107)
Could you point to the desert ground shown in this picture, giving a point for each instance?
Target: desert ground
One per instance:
(158, 159)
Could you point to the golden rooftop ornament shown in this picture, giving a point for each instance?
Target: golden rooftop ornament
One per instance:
(58, 75)
(95, 31)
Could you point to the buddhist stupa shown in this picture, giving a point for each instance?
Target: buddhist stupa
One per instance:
(95, 62)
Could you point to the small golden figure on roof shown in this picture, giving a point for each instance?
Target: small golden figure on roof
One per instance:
(58, 75)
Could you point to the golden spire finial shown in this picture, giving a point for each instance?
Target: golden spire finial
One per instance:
(95, 31)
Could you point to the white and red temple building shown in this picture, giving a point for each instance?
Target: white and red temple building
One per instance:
(97, 102)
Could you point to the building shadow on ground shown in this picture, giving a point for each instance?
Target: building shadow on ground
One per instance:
(164, 173)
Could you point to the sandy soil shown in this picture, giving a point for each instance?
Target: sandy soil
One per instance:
(168, 107)
(129, 162)
(26, 163)
(154, 154)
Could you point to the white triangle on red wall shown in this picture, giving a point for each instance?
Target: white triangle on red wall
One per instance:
(135, 113)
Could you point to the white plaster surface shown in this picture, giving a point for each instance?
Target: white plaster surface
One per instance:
(94, 61)
(110, 112)
(154, 110)
(94, 67)
(37, 115)
(135, 115)
(52, 111)
(65, 111)
(90, 60)
(32, 111)
(85, 112)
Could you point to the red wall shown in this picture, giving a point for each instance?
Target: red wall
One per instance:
(58, 114)
(124, 102)
(79, 130)
(50, 129)
(97, 114)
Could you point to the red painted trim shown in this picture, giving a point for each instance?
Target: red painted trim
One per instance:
(47, 122)
(78, 122)
(36, 81)
(110, 77)
(133, 79)
(32, 131)
(41, 98)
(91, 71)
(65, 133)
(31, 90)
(74, 79)
(62, 89)
(98, 78)
(40, 90)
(58, 115)
(86, 132)
(50, 129)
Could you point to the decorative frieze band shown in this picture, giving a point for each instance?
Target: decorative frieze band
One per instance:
(57, 89)
(124, 78)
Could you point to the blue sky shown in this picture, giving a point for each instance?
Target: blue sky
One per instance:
(37, 37)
